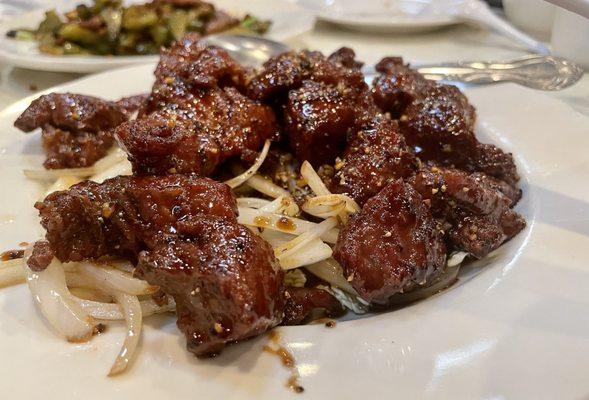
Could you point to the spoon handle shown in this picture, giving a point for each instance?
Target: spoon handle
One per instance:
(535, 71)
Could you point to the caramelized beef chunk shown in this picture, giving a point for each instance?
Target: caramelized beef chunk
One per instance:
(317, 118)
(392, 245)
(438, 122)
(225, 280)
(397, 86)
(133, 104)
(72, 112)
(67, 149)
(474, 208)
(76, 129)
(376, 155)
(288, 71)
(301, 302)
(196, 136)
(41, 256)
(189, 65)
(196, 117)
(126, 215)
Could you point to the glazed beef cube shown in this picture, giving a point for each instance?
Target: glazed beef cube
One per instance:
(225, 280)
(438, 121)
(196, 117)
(76, 129)
(317, 120)
(126, 215)
(474, 209)
(375, 156)
(390, 246)
(301, 302)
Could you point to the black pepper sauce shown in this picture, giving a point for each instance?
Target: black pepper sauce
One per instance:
(287, 360)
(12, 255)
(286, 224)
(329, 322)
(262, 222)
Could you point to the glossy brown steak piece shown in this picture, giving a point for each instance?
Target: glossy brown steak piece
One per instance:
(438, 121)
(301, 302)
(225, 280)
(76, 129)
(126, 215)
(318, 99)
(390, 246)
(376, 155)
(317, 120)
(474, 209)
(196, 116)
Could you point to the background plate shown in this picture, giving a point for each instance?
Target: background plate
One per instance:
(514, 326)
(384, 16)
(288, 20)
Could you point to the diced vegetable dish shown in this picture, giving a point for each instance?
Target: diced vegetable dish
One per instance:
(108, 28)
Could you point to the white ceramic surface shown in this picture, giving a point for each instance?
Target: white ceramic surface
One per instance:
(515, 326)
(288, 20)
(570, 37)
(532, 16)
(399, 16)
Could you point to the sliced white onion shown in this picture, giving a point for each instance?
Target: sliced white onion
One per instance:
(350, 301)
(282, 205)
(85, 293)
(276, 238)
(56, 303)
(324, 206)
(302, 240)
(12, 272)
(324, 195)
(312, 252)
(313, 180)
(266, 186)
(112, 279)
(133, 318)
(252, 202)
(62, 183)
(120, 169)
(113, 311)
(456, 258)
(330, 271)
(295, 226)
(251, 171)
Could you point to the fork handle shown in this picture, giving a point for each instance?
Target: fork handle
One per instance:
(536, 71)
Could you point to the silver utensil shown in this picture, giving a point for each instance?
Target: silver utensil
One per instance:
(540, 72)
(249, 50)
(534, 71)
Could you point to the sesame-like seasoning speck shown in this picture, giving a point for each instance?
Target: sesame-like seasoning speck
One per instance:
(434, 191)
(218, 327)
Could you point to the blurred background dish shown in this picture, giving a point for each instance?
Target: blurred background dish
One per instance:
(383, 16)
(288, 20)
(411, 16)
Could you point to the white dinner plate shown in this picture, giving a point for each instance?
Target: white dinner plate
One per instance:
(288, 20)
(383, 16)
(515, 326)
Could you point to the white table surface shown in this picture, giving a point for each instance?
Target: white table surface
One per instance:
(450, 44)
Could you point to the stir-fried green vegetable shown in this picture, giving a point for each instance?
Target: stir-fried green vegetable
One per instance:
(108, 28)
